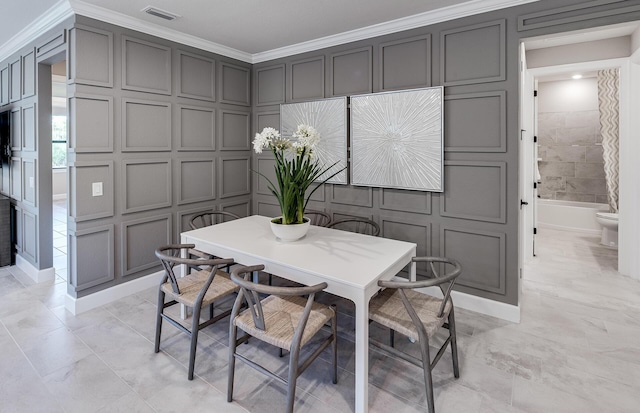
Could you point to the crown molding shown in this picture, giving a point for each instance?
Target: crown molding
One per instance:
(48, 20)
(393, 26)
(119, 19)
(67, 8)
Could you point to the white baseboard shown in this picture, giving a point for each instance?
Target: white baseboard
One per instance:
(480, 305)
(572, 229)
(58, 197)
(80, 305)
(35, 274)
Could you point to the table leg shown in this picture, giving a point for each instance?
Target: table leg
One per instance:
(362, 354)
(184, 311)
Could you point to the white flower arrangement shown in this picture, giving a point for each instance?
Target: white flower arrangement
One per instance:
(295, 171)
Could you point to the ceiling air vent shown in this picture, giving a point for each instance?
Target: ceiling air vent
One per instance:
(163, 14)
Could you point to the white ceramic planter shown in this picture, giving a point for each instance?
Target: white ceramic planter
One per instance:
(291, 232)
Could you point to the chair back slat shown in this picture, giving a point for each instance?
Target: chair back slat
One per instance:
(249, 292)
(169, 256)
(318, 218)
(357, 225)
(211, 218)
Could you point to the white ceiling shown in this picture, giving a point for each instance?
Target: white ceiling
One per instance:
(251, 30)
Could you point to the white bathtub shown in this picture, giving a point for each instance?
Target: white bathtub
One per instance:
(569, 215)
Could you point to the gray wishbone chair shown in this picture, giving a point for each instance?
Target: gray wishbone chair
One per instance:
(207, 219)
(203, 284)
(419, 316)
(318, 218)
(284, 319)
(358, 225)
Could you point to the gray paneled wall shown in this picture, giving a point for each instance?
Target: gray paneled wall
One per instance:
(166, 129)
(476, 58)
(20, 94)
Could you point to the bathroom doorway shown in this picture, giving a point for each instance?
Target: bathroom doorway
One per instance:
(570, 183)
(59, 166)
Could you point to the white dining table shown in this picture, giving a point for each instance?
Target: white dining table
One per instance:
(351, 265)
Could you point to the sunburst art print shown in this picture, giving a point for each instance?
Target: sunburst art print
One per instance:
(329, 118)
(396, 139)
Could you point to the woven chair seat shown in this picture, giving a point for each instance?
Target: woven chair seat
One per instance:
(388, 310)
(281, 316)
(191, 284)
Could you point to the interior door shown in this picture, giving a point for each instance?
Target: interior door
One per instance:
(526, 164)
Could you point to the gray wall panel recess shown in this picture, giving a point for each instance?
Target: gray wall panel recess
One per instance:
(270, 85)
(234, 176)
(29, 130)
(241, 208)
(196, 126)
(234, 130)
(30, 236)
(90, 56)
(52, 42)
(140, 238)
(16, 128)
(83, 206)
(15, 81)
(146, 125)
(91, 269)
(351, 72)
(406, 63)
(29, 74)
(146, 185)
(196, 180)
(16, 179)
(4, 85)
(306, 79)
(146, 66)
(91, 126)
(29, 182)
(235, 84)
(196, 76)
(183, 217)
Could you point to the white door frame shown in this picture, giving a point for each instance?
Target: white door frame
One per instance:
(629, 203)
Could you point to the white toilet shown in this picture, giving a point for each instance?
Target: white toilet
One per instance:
(609, 222)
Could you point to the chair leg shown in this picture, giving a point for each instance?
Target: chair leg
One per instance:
(195, 323)
(159, 319)
(233, 334)
(454, 344)
(334, 344)
(428, 380)
(210, 311)
(294, 357)
(392, 337)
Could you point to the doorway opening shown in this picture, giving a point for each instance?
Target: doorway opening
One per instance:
(563, 176)
(59, 166)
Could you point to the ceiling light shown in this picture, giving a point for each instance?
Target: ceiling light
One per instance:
(163, 14)
(576, 77)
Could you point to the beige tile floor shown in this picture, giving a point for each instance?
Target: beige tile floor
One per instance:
(577, 349)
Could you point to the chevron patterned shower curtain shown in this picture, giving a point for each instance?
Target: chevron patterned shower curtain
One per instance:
(609, 129)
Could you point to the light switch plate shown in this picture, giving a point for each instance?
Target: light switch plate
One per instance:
(96, 189)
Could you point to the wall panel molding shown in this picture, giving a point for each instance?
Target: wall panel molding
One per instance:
(265, 166)
(83, 206)
(575, 13)
(484, 44)
(269, 85)
(351, 195)
(15, 80)
(195, 76)
(405, 201)
(96, 48)
(146, 66)
(183, 217)
(196, 128)
(240, 208)
(29, 74)
(30, 236)
(351, 72)
(266, 119)
(196, 180)
(476, 122)
(235, 84)
(140, 238)
(52, 42)
(15, 185)
(234, 130)
(4, 85)
(141, 131)
(405, 63)
(306, 79)
(482, 253)
(483, 182)
(30, 182)
(409, 230)
(91, 123)
(29, 127)
(146, 185)
(16, 129)
(234, 176)
(94, 249)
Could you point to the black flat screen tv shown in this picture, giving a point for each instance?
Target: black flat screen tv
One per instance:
(5, 138)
